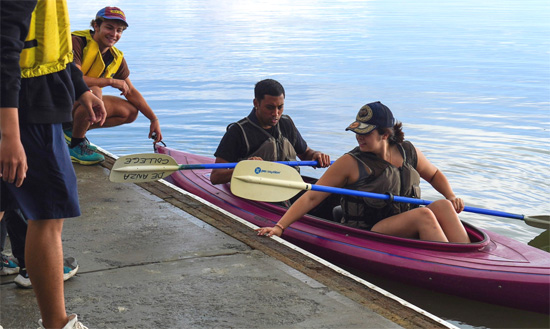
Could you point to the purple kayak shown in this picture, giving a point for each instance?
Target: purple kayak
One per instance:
(493, 268)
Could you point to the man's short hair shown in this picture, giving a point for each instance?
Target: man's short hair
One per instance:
(268, 87)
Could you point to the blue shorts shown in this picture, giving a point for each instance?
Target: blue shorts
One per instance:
(49, 191)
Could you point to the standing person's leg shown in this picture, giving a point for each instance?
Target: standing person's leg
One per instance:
(49, 191)
(17, 230)
(44, 261)
(7, 266)
(3, 233)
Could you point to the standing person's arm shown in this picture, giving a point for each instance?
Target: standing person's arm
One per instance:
(15, 17)
(13, 160)
(93, 104)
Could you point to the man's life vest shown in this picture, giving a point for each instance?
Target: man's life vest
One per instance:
(92, 61)
(379, 176)
(48, 47)
(273, 149)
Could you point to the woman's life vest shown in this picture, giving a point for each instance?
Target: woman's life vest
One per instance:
(379, 176)
(273, 149)
(92, 60)
(48, 47)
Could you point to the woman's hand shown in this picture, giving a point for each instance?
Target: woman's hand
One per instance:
(458, 204)
(270, 231)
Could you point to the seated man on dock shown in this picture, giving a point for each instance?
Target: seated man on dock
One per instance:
(265, 134)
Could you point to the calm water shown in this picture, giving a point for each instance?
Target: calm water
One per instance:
(469, 79)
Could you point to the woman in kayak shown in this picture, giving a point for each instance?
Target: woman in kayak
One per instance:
(384, 163)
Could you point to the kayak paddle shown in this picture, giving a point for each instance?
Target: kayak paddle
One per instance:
(148, 167)
(250, 177)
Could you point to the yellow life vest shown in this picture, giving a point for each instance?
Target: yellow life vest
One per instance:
(48, 47)
(92, 61)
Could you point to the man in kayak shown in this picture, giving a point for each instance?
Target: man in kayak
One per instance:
(265, 134)
(104, 65)
(38, 86)
(385, 163)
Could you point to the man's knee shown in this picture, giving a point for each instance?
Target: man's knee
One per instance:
(45, 227)
(97, 91)
(132, 116)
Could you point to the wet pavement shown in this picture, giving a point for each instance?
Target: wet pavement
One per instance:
(151, 256)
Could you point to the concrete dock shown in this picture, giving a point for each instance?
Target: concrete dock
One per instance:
(152, 256)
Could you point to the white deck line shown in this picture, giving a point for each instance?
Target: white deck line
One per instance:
(308, 254)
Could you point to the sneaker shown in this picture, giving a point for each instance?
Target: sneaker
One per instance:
(22, 280)
(70, 267)
(8, 267)
(69, 136)
(82, 154)
(72, 324)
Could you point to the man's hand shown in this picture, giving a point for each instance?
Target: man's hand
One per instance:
(154, 131)
(94, 106)
(322, 158)
(121, 85)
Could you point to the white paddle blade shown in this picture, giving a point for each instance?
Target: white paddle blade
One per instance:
(145, 167)
(266, 181)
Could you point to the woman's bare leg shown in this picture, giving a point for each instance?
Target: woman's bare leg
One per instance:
(419, 222)
(449, 221)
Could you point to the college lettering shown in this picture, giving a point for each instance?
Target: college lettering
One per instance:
(148, 160)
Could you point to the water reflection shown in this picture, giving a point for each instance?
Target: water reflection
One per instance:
(541, 241)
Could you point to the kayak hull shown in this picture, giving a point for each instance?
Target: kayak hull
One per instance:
(493, 268)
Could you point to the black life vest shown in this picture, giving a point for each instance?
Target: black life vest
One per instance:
(273, 149)
(379, 176)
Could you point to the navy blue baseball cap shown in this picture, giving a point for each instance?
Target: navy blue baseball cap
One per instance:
(372, 116)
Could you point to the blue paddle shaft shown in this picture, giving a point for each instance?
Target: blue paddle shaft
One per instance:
(396, 198)
(233, 164)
